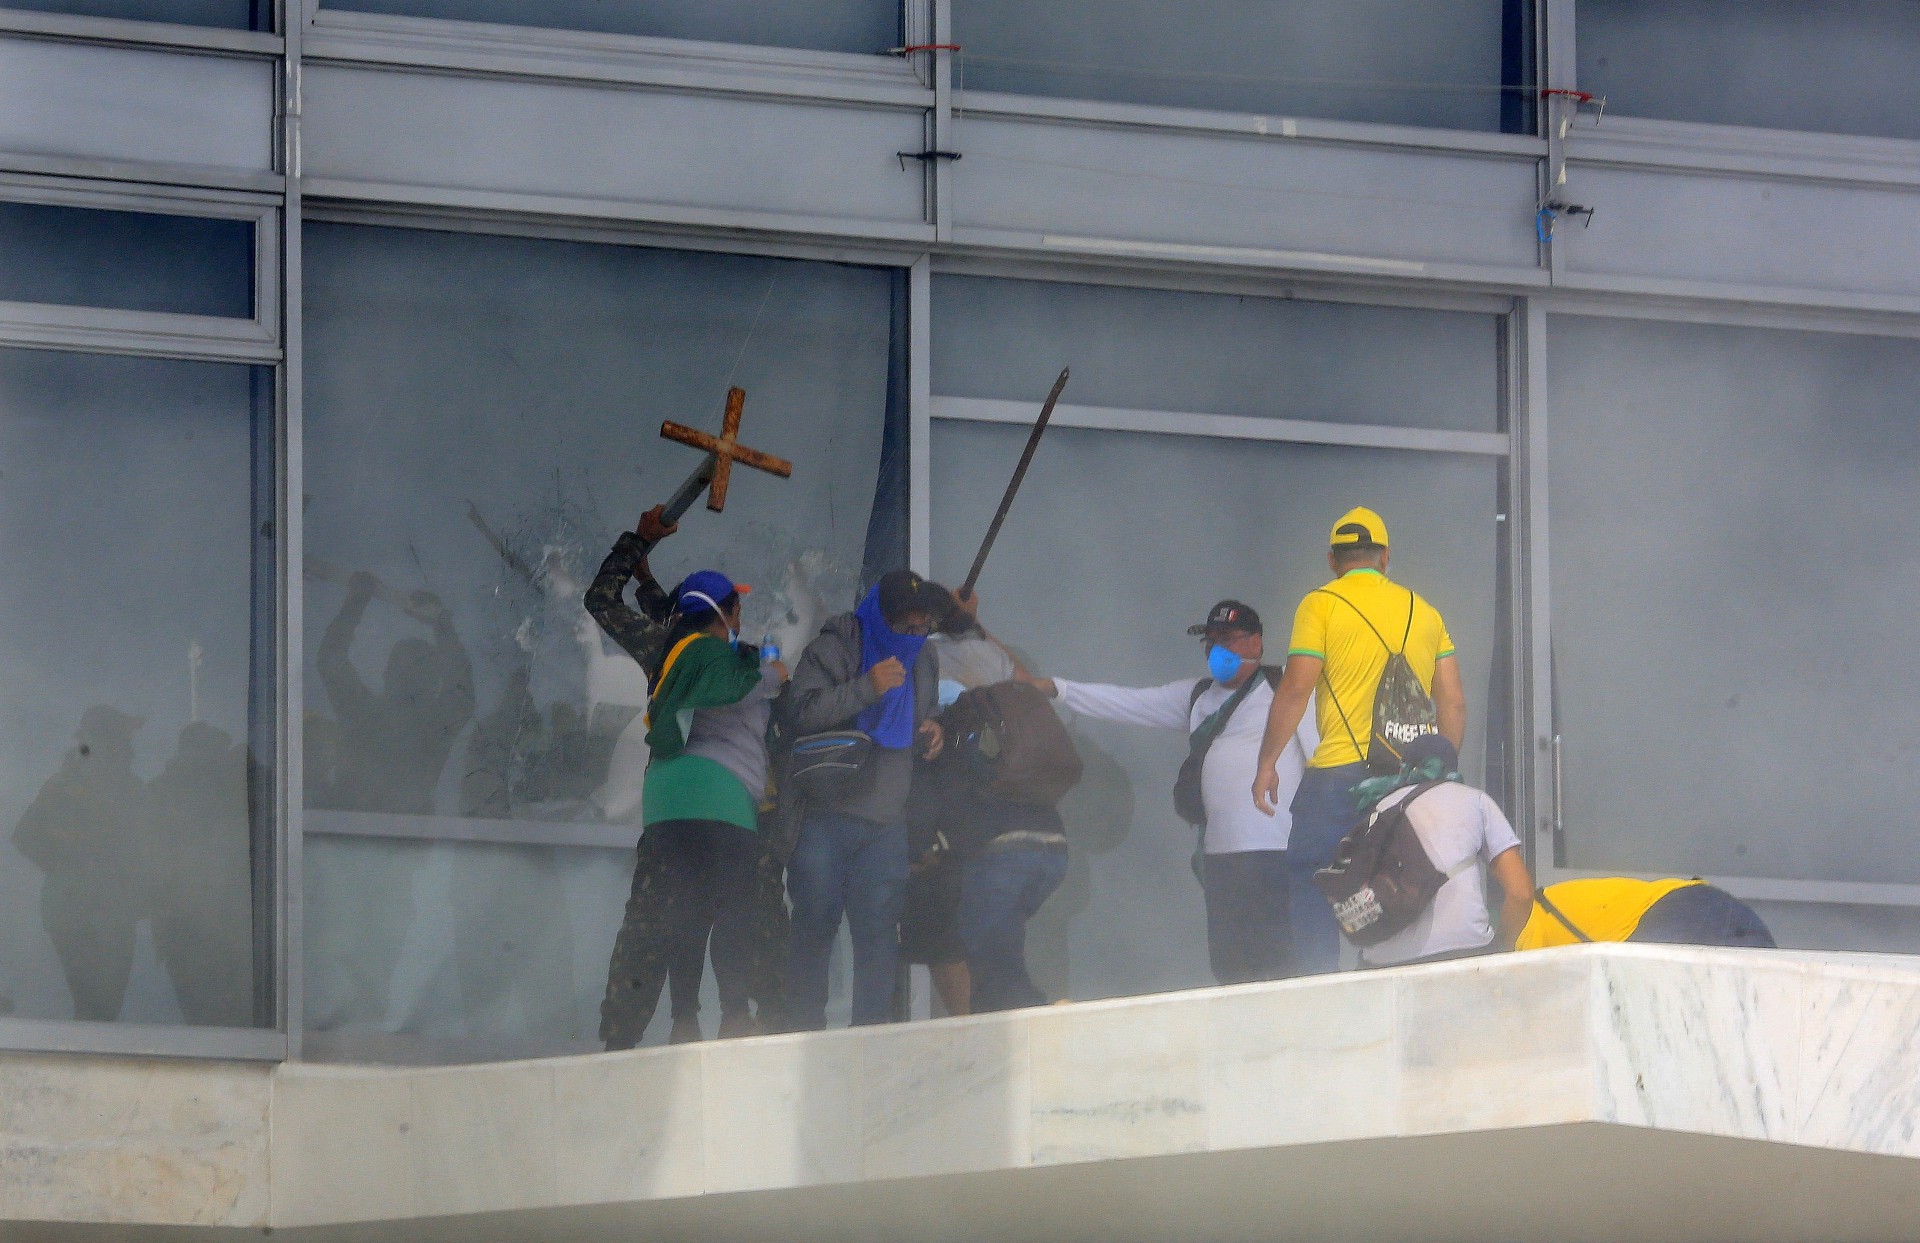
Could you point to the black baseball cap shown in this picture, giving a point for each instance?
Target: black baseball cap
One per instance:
(903, 591)
(1229, 615)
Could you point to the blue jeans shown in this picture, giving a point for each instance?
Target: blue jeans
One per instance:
(1323, 813)
(845, 866)
(999, 891)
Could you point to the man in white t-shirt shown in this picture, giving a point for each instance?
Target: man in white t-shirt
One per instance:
(1462, 829)
(1244, 870)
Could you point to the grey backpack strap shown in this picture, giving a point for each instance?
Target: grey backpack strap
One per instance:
(1546, 904)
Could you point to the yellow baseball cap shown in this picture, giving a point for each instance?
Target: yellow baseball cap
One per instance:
(1359, 527)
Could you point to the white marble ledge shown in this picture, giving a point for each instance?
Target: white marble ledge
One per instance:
(1794, 1049)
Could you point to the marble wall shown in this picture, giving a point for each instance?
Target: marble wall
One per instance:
(1787, 1049)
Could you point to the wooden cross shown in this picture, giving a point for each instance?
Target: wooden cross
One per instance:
(722, 452)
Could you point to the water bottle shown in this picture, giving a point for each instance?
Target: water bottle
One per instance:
(769, 652)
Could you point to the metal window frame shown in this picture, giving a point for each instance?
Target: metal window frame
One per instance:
(281, 202)
(166, 334)
(129, 32)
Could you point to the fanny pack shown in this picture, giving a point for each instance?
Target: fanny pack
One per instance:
(830, 765)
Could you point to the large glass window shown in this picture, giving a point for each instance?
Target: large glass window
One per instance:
(1120, 541)
(1197, 353)
(230, 14)
(1732, 598)
(1839, 66)
(136, 734)
(482, 419)
(136, 261)
(1459, 65)
(868, 26)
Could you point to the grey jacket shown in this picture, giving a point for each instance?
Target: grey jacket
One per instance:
(828, 691)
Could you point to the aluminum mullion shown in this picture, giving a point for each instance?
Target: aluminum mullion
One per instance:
(1226, 426)
(635, 233)
(920, 415)
(291, 656)
(943, 171)
(1212, 280)
(203, 202)
(124, 32)
(151, 334)
(1532, 570)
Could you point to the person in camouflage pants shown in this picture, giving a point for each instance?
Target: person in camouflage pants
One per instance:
(641, 963)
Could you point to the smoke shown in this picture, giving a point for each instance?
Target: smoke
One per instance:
(1119, 542)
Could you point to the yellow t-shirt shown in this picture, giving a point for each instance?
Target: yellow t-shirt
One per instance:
(1333, 631)
(1606, 908)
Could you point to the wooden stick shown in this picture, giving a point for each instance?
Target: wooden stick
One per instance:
(1013, 486)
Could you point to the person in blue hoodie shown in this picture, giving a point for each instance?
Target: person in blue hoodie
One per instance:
(869, 670)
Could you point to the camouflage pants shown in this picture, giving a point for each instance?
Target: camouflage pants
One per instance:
(693, 879)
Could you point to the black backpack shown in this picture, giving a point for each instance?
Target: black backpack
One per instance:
(1381, 877)
(1402, 709)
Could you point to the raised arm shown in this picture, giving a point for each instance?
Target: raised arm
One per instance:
(1166, 707)
(344, 687)
(642, 632)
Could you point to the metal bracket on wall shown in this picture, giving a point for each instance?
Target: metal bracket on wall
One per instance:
(925, 157)
(1552, 210)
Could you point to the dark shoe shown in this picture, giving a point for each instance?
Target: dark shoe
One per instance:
(733, 1026)
(687, 1030)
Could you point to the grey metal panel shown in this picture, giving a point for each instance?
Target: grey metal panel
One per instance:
(1273, 194)
(526, 51)
(117, 103)
(121, 30)
(1744, 230)
(630, 146)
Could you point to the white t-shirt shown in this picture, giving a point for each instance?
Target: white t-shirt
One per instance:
(1234, 822)
(1457, 824)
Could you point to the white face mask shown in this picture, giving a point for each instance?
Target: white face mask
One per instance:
(733, 636)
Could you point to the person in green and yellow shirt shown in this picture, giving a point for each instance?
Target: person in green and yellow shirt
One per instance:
(707, 719)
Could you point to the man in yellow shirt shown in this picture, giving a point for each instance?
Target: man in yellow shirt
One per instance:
(1344, 634)
(1648, 912)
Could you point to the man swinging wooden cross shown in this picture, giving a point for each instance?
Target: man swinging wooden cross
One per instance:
(716, 472)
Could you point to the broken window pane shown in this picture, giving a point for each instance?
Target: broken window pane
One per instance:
(482, 420)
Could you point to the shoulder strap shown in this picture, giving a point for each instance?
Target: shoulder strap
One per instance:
(1199, 689)
(1208, 730)
(666, 667)
(1546, 904)
(1408, 633)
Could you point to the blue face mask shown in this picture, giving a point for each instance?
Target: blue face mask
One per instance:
(1223, 663)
